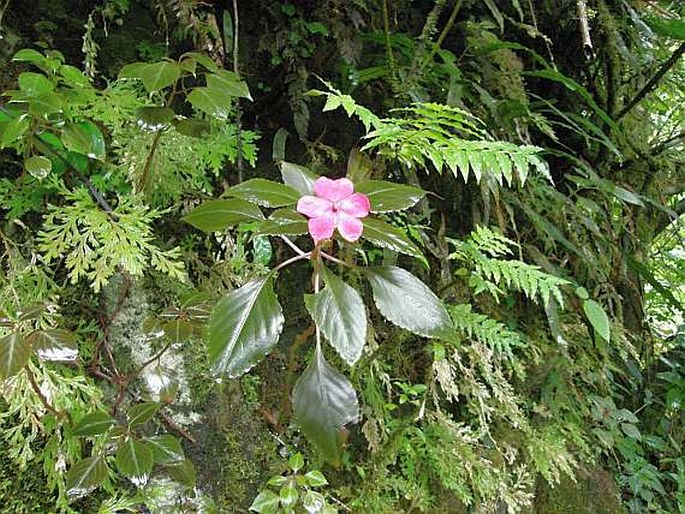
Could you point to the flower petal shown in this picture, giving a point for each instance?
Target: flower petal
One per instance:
(312, 207)
(322, 227)
(350, 228)
(333, 190)
(357, 205)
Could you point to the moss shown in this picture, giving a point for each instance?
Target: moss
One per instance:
(594, 492)
(23, 492)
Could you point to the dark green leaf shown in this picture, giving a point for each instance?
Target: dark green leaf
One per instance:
(38, 166)
(266, 502)
(134, 460)
(159, 75)
(85, 476)
(669, 27)
(388, 196)
(165, 448)
(265, 192)
(202, 59)
(283, 221)
(193, 128)
(324, 401)
(298, 177)
(214, 215)
(35, 84)
(385, 235)
(84, 138)
(46, 103)
(262, 250)
(229, 84)
(142, 413)
(338, 311)
(598, 318)
(245, 325)
(183, 472)
(178, 330)
(154, 118)
(408, 303)
(54, 344)
(278, 146)
(359, 166)
(15, 353)
(211, 101)
(95, 423)
(12, 130)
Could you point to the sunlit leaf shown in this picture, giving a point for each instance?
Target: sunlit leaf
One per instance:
(84, 138)
(598, 318)
(84, 476)
(54, 344)
(298, 177)
(38, 166)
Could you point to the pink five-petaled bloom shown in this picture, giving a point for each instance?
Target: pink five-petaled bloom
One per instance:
(335, 205)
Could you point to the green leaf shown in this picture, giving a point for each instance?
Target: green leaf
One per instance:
(85, 476)
(183, 472)
(229, 84)
(265, 192)
(408, 303)
(266, 502)
(158, 75)
(283, 222)
(28, 55)
(13, 130)
(298, 177)
(315, 478)
(38, 166)
(388, 196)
(15, 353)
(214, 215)
(669, 27)
(193, 128)
(278, 145)
(165, 448)
(338, 311)
(288, 495)
(35, 84)
(54, 344)
(46, 103)
(313, 502)
(134, 460)
(245, 325)
(598, 318)
(324, 401)
(153, 117)
(382, 234)
(296, 462)
(84, 138)
(142, 413)
(202, 59)
(95, 423)
(211, 101)
(631, 431)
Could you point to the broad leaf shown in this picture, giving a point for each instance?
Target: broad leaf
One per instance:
(15, 353)
(193, 128)
(155, 76)
(283, 221)
(183, 472)
(54, 344)
(266, 502)
(298, 177)
(203, 60)
(28, 55)
(165, 448)
(228, 83)
(142, 413)
(38, 166)
(85, 476)
(669, 27)
(388, 196)
(245, 325)
(385, 235)
(84, 138)
(95, 423)
(324, 401)
(13, 129)
(134, 460)
(338, 311)
(211, 101)
(214, 215)
(598, 318)
(265, 192)
(153, 117)
(408, 303)
(34, 84)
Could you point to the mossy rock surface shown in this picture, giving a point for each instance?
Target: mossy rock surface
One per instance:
(594, 492)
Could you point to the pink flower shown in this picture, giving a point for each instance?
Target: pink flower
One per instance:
(335, 205)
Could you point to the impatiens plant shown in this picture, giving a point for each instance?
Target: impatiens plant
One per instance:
(247, 322)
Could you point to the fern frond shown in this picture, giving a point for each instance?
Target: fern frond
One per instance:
(490, 332)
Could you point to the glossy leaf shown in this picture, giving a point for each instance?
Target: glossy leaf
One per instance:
(324, 401)
(134, 459)
(229, 84)
(598, 318)
(245, 325)
(38, 166)
(142, 413)
(214, 215)
(338, 311)
(266, 502)
(54, 344)
(388, 196)
(283, 222)
(15, 353)
(84, 138)
(34, 84)
(84, 476)
(382, 234)
(265, 193)
(165, 448)
(12, 130)
(211, 101)
(28, 55)
(95, 423)
(298, 177)
(315, 478)
(408, 303)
